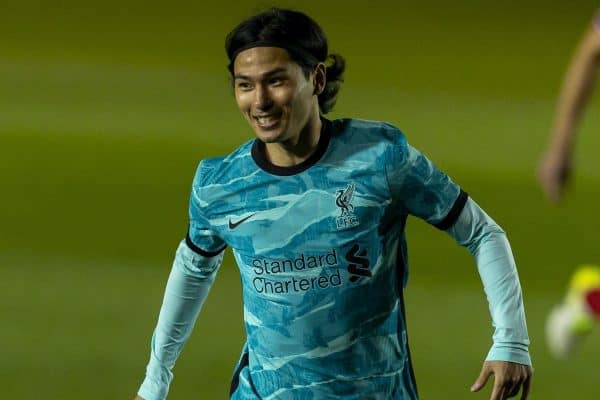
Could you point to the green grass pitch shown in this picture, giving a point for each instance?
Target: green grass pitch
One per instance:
(106, 108)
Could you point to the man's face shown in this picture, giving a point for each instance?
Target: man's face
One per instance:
(273, 93)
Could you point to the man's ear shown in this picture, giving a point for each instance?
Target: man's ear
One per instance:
(319, 79)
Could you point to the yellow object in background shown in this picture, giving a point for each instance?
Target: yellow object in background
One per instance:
(570, 322)
(585, 278)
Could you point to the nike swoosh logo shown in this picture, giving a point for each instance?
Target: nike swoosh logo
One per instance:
(233, 225)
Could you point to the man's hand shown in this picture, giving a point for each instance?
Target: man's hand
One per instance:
(138, 398)
(508, 379)
(553, 174)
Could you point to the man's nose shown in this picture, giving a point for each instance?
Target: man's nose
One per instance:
(263, 100)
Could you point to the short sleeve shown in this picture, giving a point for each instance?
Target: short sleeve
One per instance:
(420, 187)
(201, 237)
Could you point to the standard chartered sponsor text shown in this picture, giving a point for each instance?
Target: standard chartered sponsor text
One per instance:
(267, 281)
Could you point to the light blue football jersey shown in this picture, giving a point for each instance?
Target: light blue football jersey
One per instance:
(322, 256)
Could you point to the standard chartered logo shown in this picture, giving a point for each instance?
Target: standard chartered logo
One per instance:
(319, 271)
(273, 276)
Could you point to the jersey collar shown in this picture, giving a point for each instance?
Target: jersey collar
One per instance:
(259, 155)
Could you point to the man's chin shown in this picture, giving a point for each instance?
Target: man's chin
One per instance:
(268, 140)
(269, 136)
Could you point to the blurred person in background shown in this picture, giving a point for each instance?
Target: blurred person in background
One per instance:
(574, 318)
(555, 166)
(315, 212)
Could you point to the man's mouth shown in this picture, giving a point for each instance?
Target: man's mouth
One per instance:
(267, 121)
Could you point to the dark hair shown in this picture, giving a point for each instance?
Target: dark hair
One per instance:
(300, 36)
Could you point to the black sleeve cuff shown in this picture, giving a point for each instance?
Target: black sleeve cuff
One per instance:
(199, 251)
(454, 212)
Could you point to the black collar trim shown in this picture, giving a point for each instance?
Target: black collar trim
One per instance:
(259, 156)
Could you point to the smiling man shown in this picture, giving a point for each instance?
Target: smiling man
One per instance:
(315, 212)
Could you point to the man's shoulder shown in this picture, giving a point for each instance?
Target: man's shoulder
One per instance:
(214, 169)
(362, 130)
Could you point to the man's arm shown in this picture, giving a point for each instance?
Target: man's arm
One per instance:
(426, 192)
(508, 359)
(555, 166)
(188, 285)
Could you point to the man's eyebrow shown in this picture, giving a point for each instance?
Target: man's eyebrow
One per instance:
(265, 75)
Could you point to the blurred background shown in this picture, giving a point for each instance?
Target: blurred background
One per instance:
(106, 108)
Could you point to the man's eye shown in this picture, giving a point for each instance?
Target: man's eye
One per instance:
(275, 81)
(244, 86)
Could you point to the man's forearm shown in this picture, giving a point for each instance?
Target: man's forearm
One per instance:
(190, 280)
(487, 242)
(576, 90)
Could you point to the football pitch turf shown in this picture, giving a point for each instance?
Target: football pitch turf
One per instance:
(106, 110)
